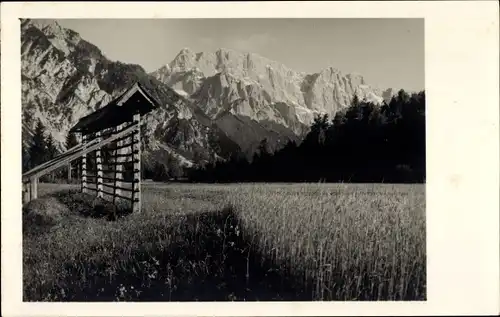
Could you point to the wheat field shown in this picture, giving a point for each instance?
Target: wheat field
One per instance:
(236, 242)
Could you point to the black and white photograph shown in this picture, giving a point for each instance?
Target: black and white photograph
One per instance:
(221, 158)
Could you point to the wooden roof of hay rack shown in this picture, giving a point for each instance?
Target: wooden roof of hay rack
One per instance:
(120, 110)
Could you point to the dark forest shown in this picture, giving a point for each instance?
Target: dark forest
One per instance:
(363, 143)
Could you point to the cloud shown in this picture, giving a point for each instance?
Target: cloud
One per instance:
(252, 43)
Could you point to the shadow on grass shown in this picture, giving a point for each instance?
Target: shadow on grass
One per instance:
(210, 262)
(89, 205)
(194, 257)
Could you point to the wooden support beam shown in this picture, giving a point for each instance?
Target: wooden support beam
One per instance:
(123, 145)
(69, 172)
(125, 137)
(63, 160)
(34, 188)
(68, 154)
(136, 151)
(118, 163)
(98, 162)
(84, 166)
(120, 188)
(26, 192)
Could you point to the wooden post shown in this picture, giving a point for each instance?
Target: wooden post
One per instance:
(33, 188)
(69, 172)
(136, 155)
(84, 166)
(98, 162)
(26, 192)
(118, 159)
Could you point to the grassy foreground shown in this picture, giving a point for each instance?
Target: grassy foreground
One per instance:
(229, 242)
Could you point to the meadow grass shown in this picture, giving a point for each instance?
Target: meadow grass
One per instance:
(236, 242)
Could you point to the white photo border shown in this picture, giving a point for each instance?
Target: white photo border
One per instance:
(462, 92)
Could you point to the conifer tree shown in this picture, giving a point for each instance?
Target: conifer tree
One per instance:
(70, 141)
(51, 151)
(38, 147)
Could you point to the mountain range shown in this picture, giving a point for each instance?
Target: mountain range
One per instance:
(213, 103)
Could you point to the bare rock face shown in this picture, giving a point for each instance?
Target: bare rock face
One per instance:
(233, 87)
(248, 84)
(65, 78)
(213, 103)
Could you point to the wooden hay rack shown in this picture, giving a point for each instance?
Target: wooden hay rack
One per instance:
(115, 131)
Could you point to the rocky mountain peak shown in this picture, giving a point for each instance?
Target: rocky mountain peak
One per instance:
(184, 60)
(65, 78)
(238, 98)
(324, 92)
(65, 40)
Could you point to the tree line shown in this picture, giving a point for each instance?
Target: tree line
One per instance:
(42, 148)
(365, 142)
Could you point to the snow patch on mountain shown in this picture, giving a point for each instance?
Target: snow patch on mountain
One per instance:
(65, 78)
(248, 84)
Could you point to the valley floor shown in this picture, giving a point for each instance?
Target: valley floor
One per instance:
(229, 242)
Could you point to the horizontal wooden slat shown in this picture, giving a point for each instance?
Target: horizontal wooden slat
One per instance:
(126, 161)
(118, 187)
(123, 197)
(128, 136)
(112, 132)
(108, 171)
(108, 178)
(122, 146)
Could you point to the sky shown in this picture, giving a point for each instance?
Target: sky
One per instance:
(387, 52)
